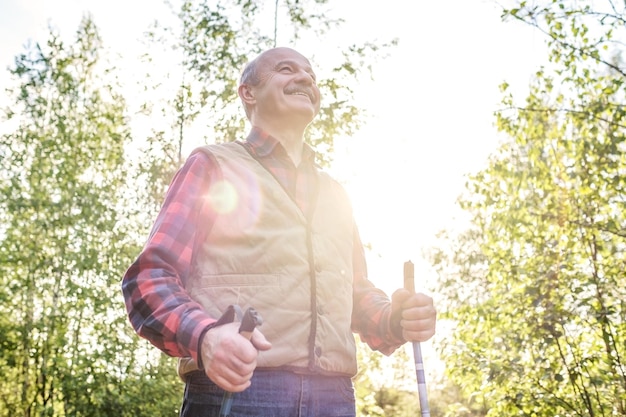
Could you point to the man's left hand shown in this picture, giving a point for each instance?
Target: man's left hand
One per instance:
(417, 314)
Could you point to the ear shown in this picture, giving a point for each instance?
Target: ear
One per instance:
(246, 93)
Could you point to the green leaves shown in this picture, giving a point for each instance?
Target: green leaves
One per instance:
(214, 42)
(63, 250)
(75, 204)
(540, 319)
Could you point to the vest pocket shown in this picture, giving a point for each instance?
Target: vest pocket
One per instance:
(217, 292)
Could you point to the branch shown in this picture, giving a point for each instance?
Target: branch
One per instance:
(564, 44)
(620, 233)
(580, 112)
(605, 15)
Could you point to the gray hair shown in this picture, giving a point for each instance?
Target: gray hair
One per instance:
(250, 76)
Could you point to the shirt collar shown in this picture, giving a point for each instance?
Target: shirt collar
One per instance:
(263, 145)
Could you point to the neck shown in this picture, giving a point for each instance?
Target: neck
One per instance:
(292, 138)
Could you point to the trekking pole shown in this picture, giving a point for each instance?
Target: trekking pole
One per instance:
(409, 284)
(250, 320)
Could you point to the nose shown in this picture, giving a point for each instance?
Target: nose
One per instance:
(305, 76)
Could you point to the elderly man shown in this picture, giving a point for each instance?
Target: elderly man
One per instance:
(256, 223)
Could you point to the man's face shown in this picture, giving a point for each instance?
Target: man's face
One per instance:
(287, 88)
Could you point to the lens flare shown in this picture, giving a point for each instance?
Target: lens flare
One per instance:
(223, 197)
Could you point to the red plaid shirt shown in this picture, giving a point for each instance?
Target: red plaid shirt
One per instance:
(158, 305)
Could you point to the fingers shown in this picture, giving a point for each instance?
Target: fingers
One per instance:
(419, 330)
(229, 358)
(259, 341)
(229, 378)
(400, 296)
(419, 317)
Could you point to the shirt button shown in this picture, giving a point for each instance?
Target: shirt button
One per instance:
(318, 351)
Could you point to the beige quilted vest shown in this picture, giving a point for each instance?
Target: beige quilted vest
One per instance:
(263, 252)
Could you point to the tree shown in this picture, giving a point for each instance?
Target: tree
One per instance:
(205, 49)
(65, 346)
(74, 208)
(384, 386)
(536, 285)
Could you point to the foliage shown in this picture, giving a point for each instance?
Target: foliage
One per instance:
(65, 346)
(387, 386)
(211, 44)
(206, 48)
(75, 208)
(536, 285)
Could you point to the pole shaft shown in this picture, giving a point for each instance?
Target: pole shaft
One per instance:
(409, 284)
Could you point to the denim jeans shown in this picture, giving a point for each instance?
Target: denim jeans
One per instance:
(272, 394)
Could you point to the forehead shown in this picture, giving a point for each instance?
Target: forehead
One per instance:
(274, 57)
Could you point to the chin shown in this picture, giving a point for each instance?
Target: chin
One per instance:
(306, 116)
(308, 119)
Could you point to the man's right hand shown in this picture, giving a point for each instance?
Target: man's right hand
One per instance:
(229, 358)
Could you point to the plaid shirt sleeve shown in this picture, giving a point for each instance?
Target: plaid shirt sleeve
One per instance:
(371, 314)
(159, 308)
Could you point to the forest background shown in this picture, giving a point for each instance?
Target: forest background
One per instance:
(527, 267)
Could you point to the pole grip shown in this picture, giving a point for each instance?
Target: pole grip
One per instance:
(409, 276)
(249, 321)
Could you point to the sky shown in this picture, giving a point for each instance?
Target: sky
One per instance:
(431, 104)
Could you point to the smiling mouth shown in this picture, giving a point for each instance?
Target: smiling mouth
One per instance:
(301, 93)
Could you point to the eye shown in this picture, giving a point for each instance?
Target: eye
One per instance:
(285, 68)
